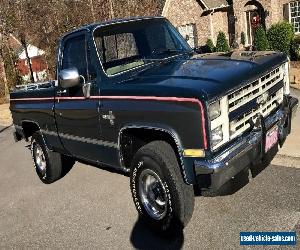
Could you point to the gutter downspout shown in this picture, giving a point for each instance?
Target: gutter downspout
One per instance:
(212, 33)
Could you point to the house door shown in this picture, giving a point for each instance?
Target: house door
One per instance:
(255, 16)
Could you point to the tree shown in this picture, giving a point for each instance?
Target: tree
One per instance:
(222, 43)
(210, 45)
(10, 76)
(42, 23)
(261, 42)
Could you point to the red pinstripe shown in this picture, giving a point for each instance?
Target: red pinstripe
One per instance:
(150, 98)
(33, 99)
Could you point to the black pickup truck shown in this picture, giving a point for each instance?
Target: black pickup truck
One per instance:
(131, 94)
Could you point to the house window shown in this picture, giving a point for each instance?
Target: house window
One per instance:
(295, 15)
(188, 32)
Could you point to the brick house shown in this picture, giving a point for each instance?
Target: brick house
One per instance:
(38, 63)
(36, 55)
(198, 20)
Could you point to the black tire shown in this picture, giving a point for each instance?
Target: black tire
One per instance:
(67, 164)
(53, 168)
(158, 159)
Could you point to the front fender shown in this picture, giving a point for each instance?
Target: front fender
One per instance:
(186, 168)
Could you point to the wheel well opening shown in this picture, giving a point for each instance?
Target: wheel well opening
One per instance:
(29, 128)
(133, 139)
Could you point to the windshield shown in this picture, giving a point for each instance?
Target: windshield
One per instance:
(128, 45)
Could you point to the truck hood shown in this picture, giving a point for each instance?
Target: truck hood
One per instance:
(210, 75)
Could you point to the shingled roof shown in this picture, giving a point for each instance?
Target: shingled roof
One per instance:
(206, 4)
(212, 4)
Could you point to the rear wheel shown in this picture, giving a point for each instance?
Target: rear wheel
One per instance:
(162, 198)
(49, 165)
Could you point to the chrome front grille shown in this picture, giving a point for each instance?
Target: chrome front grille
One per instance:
(260, 97)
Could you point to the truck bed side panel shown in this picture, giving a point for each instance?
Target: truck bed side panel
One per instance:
(36, 106)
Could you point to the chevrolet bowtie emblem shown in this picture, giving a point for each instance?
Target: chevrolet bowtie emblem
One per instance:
(110, 117)
(263, 98)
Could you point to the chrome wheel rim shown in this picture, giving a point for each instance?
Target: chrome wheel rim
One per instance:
(153, 194)
(40, 159)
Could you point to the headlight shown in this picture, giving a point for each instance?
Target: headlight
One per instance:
(219, 122)
(214, 110)
(216, 136)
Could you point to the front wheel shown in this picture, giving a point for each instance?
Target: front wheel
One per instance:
(160, 195)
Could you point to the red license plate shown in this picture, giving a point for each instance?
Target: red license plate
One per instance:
(271, 138)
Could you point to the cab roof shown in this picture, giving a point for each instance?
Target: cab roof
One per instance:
(92, 26)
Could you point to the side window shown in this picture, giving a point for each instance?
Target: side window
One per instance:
(74, 55)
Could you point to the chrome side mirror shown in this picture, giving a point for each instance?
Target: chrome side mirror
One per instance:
(69, 78)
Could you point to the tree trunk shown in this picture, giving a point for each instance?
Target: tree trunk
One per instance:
(2, 71)
(2, 68)
(92, 10)
(23, 41)
(7, 52)
(111, 8)
(3, 76)
(46, 55)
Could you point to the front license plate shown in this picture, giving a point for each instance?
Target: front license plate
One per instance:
(271, 138)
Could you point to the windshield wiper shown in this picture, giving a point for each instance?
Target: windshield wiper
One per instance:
(166, 51)
(158, 52)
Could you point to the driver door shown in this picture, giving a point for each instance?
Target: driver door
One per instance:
(77, 117)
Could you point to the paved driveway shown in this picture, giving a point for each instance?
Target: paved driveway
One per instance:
(92, 208)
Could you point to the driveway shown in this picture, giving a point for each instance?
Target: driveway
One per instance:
(5, 117)
(92, 208)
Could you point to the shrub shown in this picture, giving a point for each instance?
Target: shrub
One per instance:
(210, 45)
(261, 42)
(280, 37)
(222, 43)
(295, 49)
(243, 38)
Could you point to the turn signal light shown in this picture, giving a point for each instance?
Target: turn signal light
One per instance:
(193, 153)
